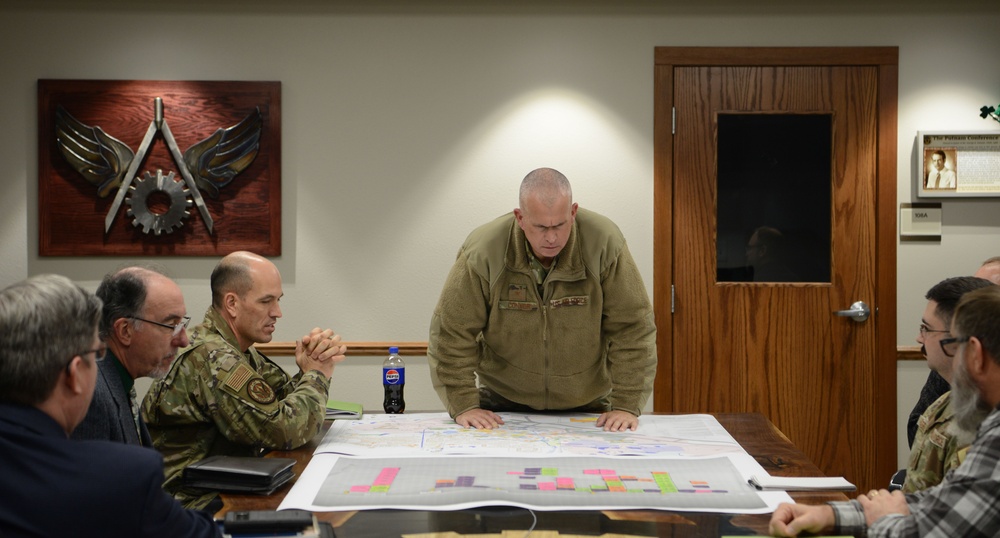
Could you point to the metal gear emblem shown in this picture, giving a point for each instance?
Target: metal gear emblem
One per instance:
(138, 199)
(107, 163)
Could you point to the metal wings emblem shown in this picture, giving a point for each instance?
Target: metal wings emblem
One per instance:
(108, 163)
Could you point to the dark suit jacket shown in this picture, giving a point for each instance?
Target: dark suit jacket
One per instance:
(109, 417)
(54, 486)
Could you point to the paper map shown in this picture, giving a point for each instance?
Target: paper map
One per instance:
(528, 434)
(544, 462)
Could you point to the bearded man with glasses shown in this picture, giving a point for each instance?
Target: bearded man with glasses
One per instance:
(143, 324)
(51, 485)
(938, 445)
(965, 502)
(936, 385)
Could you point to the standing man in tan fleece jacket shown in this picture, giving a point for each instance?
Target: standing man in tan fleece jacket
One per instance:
(547, 310)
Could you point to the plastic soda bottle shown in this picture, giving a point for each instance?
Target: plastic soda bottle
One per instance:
(393, 379)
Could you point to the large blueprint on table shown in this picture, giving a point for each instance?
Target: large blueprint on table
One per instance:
(540, 461)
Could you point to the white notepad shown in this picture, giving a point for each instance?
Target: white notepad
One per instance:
(801, 483)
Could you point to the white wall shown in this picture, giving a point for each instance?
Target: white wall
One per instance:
(405, 124)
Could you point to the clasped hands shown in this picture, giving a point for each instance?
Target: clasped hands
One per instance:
(319, 350)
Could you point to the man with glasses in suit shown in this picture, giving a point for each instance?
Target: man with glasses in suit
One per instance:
(143, 323)
(51, 485)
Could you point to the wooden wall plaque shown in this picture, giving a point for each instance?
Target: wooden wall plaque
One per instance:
(246, 214)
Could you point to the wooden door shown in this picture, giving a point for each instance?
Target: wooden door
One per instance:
(827, 381)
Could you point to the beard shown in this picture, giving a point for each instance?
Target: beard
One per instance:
(967, 405)
(161, 370)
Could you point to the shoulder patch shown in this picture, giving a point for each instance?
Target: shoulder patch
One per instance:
(260, 391)
(239, 377)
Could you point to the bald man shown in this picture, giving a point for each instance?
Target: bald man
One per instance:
(222, 396)
(544, 310)
(990, 270)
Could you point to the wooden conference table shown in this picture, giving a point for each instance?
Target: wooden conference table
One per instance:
(758, 436)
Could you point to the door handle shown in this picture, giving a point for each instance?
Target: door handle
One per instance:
(859, 312)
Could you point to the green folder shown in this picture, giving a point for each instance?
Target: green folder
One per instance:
(343, 410)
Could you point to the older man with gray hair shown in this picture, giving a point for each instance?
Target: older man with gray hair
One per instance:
(52, 485)
(143, 323)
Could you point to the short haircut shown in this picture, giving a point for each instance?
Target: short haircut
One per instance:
(45, 321)
(994, 259)
(124, 294)
(949, 292)
(232, 274)
(976, 315)
(547, 184)
(941, 153)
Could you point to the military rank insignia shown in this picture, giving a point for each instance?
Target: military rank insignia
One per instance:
(260, 392)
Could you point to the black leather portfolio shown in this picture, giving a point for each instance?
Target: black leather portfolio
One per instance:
(240, 474)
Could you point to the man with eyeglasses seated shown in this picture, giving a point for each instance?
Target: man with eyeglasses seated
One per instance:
(51, 485)
(939, 445)
(965, 502)
(222, 396)
(935, 385)
(143, 325)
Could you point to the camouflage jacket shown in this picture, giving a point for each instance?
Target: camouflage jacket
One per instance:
(218, 400)
(935, 450)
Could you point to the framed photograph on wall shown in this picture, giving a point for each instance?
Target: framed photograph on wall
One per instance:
(958, 163)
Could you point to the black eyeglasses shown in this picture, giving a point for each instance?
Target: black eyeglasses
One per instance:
(925, 329)
(177, 328)
(99, 355)
(950, 345)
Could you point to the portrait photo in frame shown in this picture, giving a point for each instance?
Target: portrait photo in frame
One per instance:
(88, 128)
(958, 164)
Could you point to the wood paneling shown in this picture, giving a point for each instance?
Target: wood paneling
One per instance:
(354, 349)
(826, 382)
(375, 349)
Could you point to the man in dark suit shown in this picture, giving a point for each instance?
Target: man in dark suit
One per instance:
(51, 485)
(143, 324)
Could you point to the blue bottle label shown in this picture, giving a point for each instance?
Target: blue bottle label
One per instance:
(393, 376)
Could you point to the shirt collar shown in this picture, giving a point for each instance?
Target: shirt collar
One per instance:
(126, 377)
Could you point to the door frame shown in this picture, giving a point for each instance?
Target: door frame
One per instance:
(886, 60)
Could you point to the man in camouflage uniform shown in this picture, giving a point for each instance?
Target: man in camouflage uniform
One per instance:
(939, 446)
(935, 385)
(222, 396)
